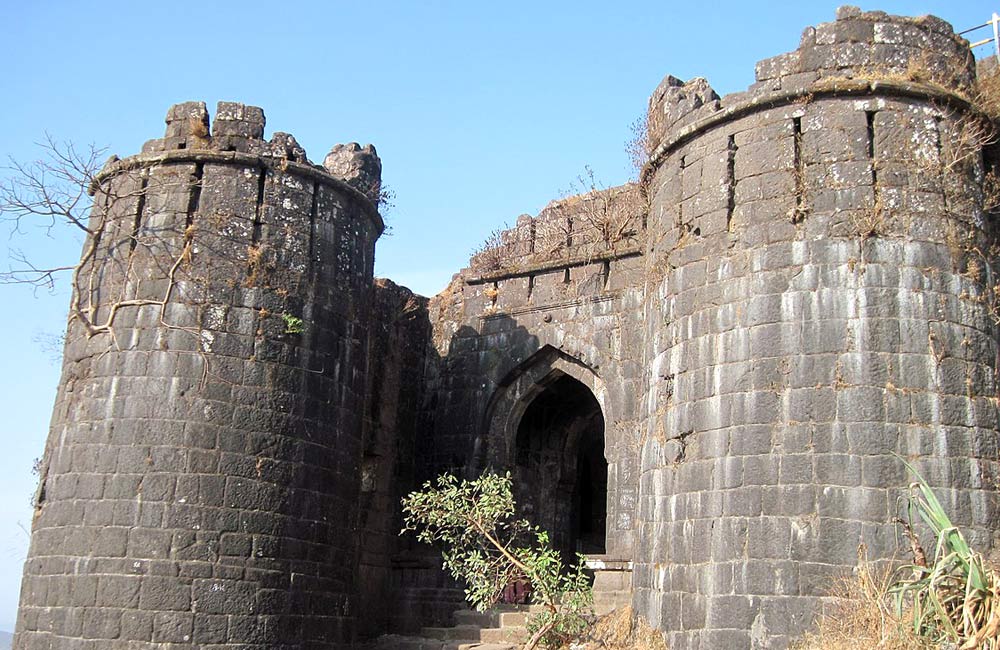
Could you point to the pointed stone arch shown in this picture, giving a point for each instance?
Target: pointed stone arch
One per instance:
(546, 423)
(518, 389)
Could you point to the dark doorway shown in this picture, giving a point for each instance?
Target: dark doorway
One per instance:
(561, 472)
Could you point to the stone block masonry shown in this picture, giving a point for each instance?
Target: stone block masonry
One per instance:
(200, 485)
(820, 322)
(704, 379)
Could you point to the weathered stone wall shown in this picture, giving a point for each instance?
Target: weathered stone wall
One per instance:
(534, 306)
(396, 350)
(820, 300)
(201, 479)
(816, 296)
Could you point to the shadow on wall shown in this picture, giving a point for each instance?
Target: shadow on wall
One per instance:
(499, 365)
(498, 398)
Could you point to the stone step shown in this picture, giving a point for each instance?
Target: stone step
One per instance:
(458, 632)
(503, 635)
(397, 642)
(489, 618)
(530, 609)
(513, 619)
(608, 601)
(500, 628)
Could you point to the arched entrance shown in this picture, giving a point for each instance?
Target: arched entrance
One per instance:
(561, 474)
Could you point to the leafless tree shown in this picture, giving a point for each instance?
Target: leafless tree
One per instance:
(602, 215)
(50, 194)
(61, 193)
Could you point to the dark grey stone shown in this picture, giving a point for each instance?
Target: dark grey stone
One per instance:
(785, 303)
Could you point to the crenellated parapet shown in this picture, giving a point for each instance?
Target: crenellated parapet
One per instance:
(902, 55)
(359, 166)
(831, 130)
(592, 227)
(242, 202)
(873, 44)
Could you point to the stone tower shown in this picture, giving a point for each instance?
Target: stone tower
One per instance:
(820, 299)
(200, 481)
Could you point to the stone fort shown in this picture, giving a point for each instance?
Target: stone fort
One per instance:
(703, 380)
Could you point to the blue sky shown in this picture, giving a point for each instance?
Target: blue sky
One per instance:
(480, 112)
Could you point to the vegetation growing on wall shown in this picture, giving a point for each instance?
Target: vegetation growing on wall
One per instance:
(949, 601)
(590, 222)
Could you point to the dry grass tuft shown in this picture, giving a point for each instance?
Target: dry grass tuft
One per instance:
(949, 601)
(622, 630)
(987, 95)
(870, 221)
(862, 616)
(496, 252)
(199, 132)
(256, 266)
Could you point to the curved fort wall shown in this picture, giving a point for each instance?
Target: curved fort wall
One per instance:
(819, 301)
(801, 290)
(201, 479)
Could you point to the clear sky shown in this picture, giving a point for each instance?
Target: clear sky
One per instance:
(481, 111)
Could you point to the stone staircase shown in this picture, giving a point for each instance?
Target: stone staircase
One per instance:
(612, 583)
(502, 627)
(499, 628)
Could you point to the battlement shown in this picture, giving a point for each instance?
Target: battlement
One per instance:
(898, 54)
(573, 231)
(239, 129)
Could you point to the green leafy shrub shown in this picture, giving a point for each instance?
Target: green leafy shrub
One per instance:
(293, 324)
(488, 547)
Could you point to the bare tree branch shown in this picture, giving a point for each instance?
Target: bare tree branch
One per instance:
(27, 273)
(50, 192)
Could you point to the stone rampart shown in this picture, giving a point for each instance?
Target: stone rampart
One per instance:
(709, 378)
